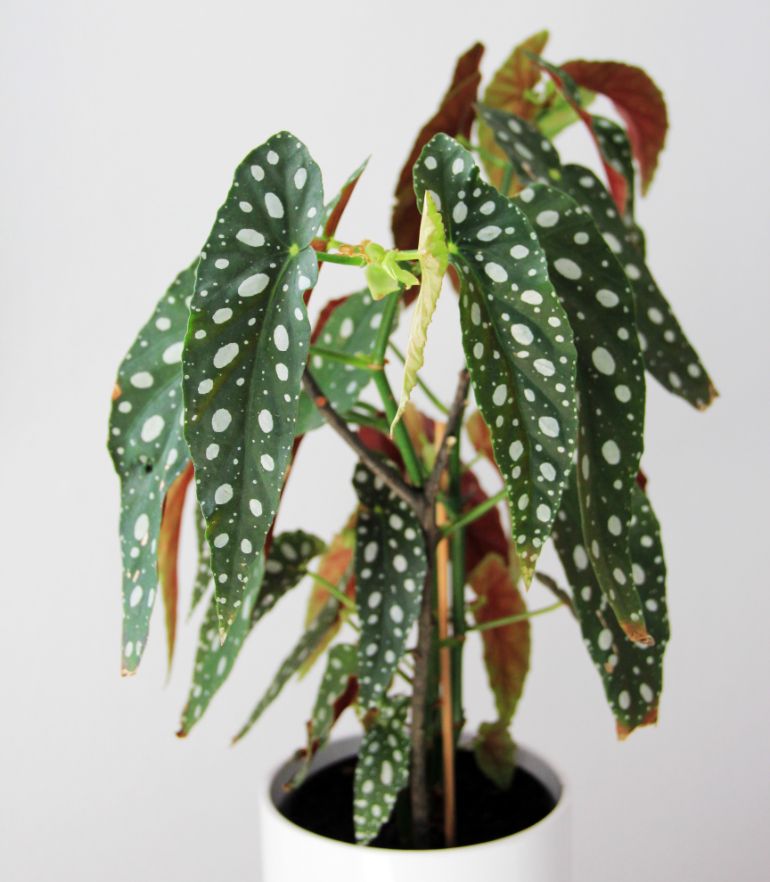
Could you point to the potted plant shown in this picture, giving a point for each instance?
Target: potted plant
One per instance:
(560, 317)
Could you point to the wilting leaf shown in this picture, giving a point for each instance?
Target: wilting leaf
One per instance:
(509, 90)
(506, 655)
(533, 157)
(292, 663)
(495, 753)
(149, 453)
(454, 117)
(631, 673)
(390, 571)
(337, 691)
(434, 258)
(245, 352)
(350, 329)
(668, 354)
(284, 568)
(168, 553)
(637, 99)
(610, 379)
(517, 340)
(382, 769)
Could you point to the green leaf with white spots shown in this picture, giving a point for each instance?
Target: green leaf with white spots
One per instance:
(286, 565)
(149, 451)
(610, 380)
(335, 693)
(517, 339)
(351, 329)
(382, 769)
(390, 565)
(616, 149)
(632, 674)
(245, 352)
(434, 259)
(668, 354)
(312, 637)
(532, 156)
(202, 579)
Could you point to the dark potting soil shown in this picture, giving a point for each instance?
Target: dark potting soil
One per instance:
(323, 804)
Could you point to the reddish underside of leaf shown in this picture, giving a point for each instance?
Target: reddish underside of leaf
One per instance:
(637, 99)
(168, 553)
(454, 117)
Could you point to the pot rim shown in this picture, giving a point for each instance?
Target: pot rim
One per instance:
(549, 776)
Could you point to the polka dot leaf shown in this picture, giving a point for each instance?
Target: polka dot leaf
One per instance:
(390, 566)
(523, 145)
(516, 336)
(668, 354)
(382, 769)
(305, 646)
(149, 452)
(611, 393)
(245, 352)
(350, 329)
(631, 673)
(284, 568)
(336, 692)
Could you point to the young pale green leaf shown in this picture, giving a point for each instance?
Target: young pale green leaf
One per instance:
(335, 693)
(516, 336)
(285, 566)
(149, 453)
(382, 769)
(390, 565)
(600, 304)
(351, 330)
(532, 156)
(668, 354)
(245, 352)
(314, 634)
(202, 579)
(631, 673)
(434, 259)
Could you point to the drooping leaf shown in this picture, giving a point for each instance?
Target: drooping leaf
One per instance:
(668, 354)
(637, 99)
(245, 352)
(292, 663)
(598, 299)
(382, 769)
(532, 156)
(202, 579)
(390, 565)
(495, 753)
(506, 657)
(454, 117)
(631, 673)
(337, 691)
(510, 90)
(350, 329)
(149, 453)
(168, 553)
(486, 534)
(434, 258)
(284, 568)
(516, 337)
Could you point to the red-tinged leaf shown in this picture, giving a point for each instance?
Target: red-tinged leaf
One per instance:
(506, 649)
(168, 553)
(486, 534)
(507, 90)
(454, 117)
(637, 99)
(495, 753)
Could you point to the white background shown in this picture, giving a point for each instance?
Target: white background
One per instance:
(122, 124)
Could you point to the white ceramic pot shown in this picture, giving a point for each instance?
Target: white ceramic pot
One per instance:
(289, 853)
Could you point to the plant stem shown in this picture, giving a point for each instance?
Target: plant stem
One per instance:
(335, 592)
(474, 514)
(507, 620)
(507, 178)
(359, 361)
(458, 595)
(435, 400)
(346, 259)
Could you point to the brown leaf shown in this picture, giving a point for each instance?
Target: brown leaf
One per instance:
(507, 91)
(486, 534)
(454, 117)
(495, 753)
(333, 566)
(168, 553)
(637, 99)
(478, 432)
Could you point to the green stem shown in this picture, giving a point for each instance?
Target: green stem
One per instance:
(507, 620)
(421, 383)
(365, 419)
(346, 259)
(407, 255)
(400, 435)
(358, 361)
(507, 178)
(333, 590)
(474, 514)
